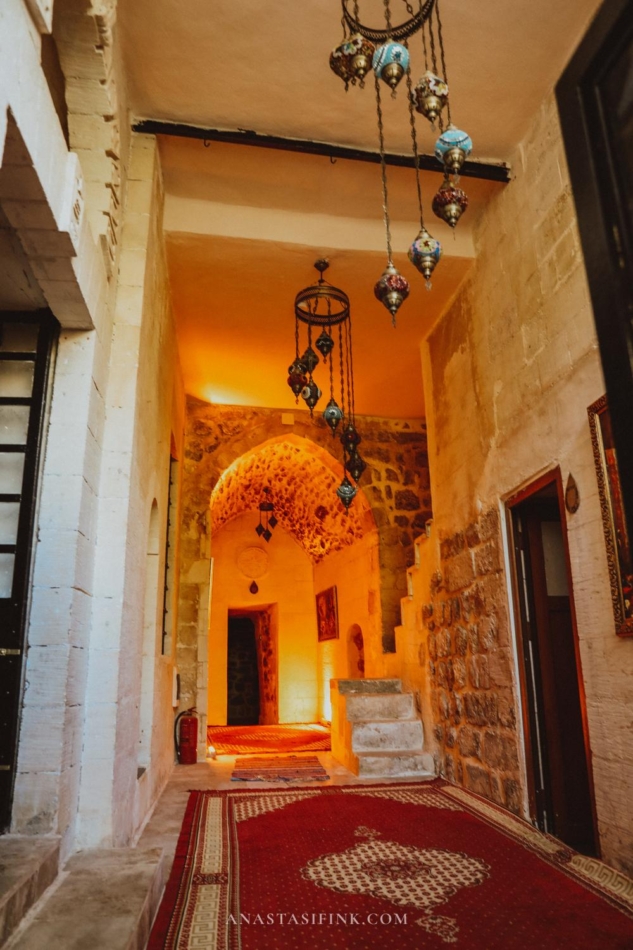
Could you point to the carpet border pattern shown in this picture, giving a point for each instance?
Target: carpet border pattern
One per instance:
(207, 854)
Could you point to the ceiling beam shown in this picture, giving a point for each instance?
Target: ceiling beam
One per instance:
(488, 171)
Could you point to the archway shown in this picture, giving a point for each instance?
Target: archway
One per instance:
(315, 547)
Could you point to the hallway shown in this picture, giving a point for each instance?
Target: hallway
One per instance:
(130, 883)
(315, 419)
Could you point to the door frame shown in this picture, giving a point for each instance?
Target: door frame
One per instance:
(14, 615)
(551, 476)
(605, 236)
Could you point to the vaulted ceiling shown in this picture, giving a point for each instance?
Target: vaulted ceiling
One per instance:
(244, 225)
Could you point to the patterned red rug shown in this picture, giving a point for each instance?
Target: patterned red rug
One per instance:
(279, 768)
(396, 866)
(237, 740)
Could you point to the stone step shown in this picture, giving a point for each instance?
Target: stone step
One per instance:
(398, 736)
(388, 765)
(28, 865)
(369, 686)
(376, 707)
(104, 900)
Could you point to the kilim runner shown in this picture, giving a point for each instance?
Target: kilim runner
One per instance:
(421, 865)
(279, 768)
(237, 740)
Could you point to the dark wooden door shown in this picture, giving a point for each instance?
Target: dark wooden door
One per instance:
(558, 757)
(595, 101)
(25, 342)
(242, 674)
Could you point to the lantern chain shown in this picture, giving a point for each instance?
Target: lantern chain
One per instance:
(340, 349)
(383, 169)
(442, 57)
(414, 142)
(387, 15)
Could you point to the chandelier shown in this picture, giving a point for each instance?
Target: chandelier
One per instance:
(386, 52)
(267, 519)
(325, 310)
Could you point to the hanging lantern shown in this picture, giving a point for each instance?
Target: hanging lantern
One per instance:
(333, 414)
(350, 437)
(324, 344)
(267, 520)
(355, 465)
(392, 290)
(310, 359)
(311, 394)
(297, 377)
(449, 203)
(431, 95)
(390, 62)
(425, 253)
(452, 149)
(352, 59)
(346, 492)
(325, 308)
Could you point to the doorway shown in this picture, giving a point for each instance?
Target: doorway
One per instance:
(26, 340)
(559, 776)
(242, 674)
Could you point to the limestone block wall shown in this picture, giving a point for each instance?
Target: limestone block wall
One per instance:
(395, 485)
(509, 372)
(143, 417)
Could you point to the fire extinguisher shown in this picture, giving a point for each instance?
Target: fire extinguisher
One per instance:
(186, 739)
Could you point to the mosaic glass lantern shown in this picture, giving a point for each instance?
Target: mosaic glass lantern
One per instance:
(424, 254)
(449, 203)
(333, 414)
(392, 289)
(346, 492)
(311, 394)
(431, 95)
(324, 344)
(452, 149)
(390, 63)
(352, 59)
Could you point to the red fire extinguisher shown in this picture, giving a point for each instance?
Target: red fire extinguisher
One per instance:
(186, 738)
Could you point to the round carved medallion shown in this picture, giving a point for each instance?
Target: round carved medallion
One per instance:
(252, 562)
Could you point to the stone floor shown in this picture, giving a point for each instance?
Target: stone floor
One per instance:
(105, 900)
(164, 824)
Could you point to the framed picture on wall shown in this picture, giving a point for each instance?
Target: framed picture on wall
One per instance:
(327, 614)
(613, 517)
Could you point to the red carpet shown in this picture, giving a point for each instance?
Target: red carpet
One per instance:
(237, 740)
(386, 866)
(279, 768)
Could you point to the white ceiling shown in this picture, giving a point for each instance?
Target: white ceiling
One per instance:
(244, 224)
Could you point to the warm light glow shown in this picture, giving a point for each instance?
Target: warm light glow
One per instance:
(327, 671)
(211, 752)
(222, 396)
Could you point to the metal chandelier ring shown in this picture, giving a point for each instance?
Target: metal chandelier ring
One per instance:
(307, 300)
(402, 32)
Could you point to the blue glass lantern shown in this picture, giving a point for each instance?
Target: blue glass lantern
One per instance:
(424, 254)
(390, 63)
(453, 148)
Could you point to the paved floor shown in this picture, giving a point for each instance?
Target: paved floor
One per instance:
(164, 824)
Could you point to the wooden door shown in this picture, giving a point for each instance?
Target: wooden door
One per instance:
(560, 778)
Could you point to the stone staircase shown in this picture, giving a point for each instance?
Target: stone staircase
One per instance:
(376, 730)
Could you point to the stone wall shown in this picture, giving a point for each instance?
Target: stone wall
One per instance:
(395, 487)
(509, 372)
(470, 665)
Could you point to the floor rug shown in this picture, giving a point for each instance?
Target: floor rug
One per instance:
(279, 768)
(409, 866)
(238, 740)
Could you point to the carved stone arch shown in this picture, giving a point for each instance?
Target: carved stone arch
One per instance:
(302, 478)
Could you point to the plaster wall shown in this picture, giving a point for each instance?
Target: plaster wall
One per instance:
(355, 573)
(288, 583)
(509, 372)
